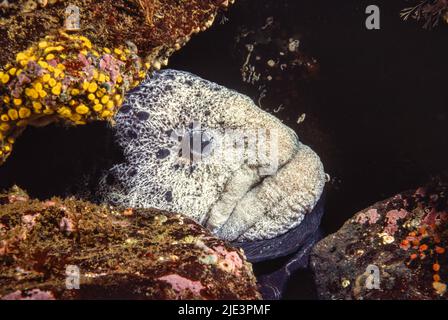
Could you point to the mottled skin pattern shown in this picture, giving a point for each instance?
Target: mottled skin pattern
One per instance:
(120, 253)
(236, 198)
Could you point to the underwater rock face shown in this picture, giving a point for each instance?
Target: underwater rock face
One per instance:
(69, 249)
(395, 249)
(156, 27)
(72, 61)
(64, 79)
(195, 147)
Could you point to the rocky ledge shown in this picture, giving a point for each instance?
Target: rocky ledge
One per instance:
(69, 249)
(395, 249)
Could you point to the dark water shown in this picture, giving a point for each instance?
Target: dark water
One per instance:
(377, 113)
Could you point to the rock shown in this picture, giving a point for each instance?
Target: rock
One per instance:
(69, 249)
(156, 27)
(195, 147)
(72, 61)
(53, 80)
(395, 249)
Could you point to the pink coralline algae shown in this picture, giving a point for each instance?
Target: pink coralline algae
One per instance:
(372, 216)
(235, 258)
(181, 284)
(67, 225)
(16, 198)
(392, 218)
(228, 261)
(412, 258)
(151, 254)
(29, 220)
(434, 218)
(35, 294)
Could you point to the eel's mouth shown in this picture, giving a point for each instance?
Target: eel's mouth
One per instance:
(288, 243)
(244, 181)
(255, 207)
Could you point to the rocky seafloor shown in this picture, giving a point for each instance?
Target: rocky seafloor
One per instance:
(395, 249)
(118, 254)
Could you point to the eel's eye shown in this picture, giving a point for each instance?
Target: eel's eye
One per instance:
(194, 142)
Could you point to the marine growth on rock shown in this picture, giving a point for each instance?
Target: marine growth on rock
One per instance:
(395, 249)
(212, 154)
(53, 69)
(70, 249)
(64, 78)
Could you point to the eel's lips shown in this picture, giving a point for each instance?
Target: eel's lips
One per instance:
(285, 244)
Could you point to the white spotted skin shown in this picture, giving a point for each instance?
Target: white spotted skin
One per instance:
(232, 197)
